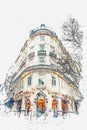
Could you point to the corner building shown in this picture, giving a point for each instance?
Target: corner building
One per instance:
(44, 74)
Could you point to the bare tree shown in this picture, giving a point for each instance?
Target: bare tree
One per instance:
(72, 39)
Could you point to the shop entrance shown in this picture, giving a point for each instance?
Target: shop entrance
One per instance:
(27, 106)
(41, 105)
(54, 104)
(54, 107)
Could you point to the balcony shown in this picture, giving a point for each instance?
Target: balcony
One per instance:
(41, 53)
(53, 55)
(31, 55)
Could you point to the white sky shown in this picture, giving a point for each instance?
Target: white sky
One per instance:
(18, 17)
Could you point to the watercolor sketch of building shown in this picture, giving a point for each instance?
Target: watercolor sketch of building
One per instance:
(44, 77)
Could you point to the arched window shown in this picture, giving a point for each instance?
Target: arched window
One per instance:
(41, 104)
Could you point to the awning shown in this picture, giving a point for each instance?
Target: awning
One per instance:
(9, 103)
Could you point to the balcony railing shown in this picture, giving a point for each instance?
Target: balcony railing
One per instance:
(53, 55)
(31, 55)
(42, 53)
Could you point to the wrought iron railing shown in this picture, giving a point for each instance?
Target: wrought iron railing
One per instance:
(32, 54)
(41, 52)
(53, 55)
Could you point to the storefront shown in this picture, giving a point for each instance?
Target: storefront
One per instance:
(54, 104)
(27, 105)
(41, 105)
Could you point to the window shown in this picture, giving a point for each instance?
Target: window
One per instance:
(41, 38)
(41, 47)
(41, 81)
(29, 80)
(41, 59)
(53, 80)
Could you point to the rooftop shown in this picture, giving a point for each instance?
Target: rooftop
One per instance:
(43, 28)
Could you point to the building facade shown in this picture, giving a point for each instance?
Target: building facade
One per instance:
(43, 75)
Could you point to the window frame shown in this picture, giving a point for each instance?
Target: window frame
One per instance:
(29, 81)
(41, 60)
(42, 47)
(53, 81)
(41, 80)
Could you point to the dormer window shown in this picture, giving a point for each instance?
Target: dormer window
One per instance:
(42, 26)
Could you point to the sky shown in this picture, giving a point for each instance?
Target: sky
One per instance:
(18, 17)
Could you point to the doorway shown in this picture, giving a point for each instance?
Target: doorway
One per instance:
(54, 104)
(41, 105)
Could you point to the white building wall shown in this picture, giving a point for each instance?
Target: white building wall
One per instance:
(61, 86)
(48, 81)
(35, 80)
(25, 83)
